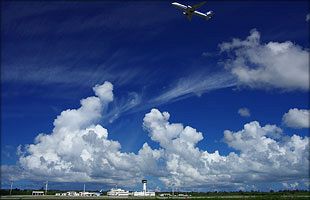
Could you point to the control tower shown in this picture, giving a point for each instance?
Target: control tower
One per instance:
(144, 192)
(144, 185)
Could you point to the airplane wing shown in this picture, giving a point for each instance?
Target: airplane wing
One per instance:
(196, 6)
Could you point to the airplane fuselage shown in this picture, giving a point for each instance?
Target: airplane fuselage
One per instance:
(189, 11)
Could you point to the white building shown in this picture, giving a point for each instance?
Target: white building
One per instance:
(118, 192)
(144, 193)
(71, 193)
(89, 194)
(37, 193)
(182, 195)
(76, 194)
(165, 195)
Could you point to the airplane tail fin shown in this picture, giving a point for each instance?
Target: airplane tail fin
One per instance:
(209, 14)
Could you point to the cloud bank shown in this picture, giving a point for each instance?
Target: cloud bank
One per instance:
(79, 150)
(266, 155)
(296, 118)
(273, 65)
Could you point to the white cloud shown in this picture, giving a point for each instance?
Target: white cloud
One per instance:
(194, 85)
(282, 65)
(265, 154)
(293, 185)
(79, 149)
(104, 91)
(297, 118)
(126, 105)
(244, 112)
(308, 17)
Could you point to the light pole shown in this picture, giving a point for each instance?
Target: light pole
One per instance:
(46, 187)
(11, 188)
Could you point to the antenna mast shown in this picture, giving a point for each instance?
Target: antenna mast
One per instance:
(46, 187)
(11, 187)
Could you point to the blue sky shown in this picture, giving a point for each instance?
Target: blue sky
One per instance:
(251, 55)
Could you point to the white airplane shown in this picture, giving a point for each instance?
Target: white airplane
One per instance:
(189, 11)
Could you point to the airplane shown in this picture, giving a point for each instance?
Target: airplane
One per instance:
(189, 11)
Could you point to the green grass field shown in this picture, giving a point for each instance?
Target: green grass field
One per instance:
(232, 197)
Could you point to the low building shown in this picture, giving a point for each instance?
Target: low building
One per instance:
(144, 194)
(76, 194)
(165, 195)
(118, 192)
(182, 195)
(89, 194)
(72, 193)
(37, 193)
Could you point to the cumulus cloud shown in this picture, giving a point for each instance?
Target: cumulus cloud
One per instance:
(297, 118)
(79, 149)
(244, 112)
(265, 154)
(282, 65)
(104, 92)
